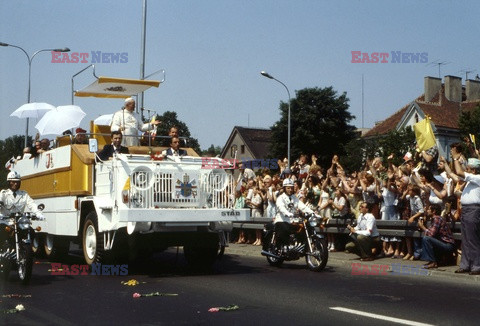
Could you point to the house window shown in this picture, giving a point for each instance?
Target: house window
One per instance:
(242, 149)
(233, 150)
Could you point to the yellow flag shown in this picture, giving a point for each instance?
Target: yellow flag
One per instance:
(472, 139)
(126, 186)
(424, 134)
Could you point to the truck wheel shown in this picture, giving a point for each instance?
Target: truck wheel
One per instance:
(56, 247)
(92, 240)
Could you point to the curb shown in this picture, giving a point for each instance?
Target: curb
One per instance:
(348, 259)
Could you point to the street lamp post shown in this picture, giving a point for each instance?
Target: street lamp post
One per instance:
(30, 59)
(265, 74)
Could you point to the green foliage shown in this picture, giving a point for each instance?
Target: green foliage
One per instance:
(169, 119)
(395, 142)
(212, 151)
(469, 122)
(319, 125)
(10, 147)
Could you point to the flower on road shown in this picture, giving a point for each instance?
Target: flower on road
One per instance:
(20, 307)
(227, 308)
(131, 282)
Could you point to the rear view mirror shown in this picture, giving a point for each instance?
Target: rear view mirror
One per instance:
(92, 145)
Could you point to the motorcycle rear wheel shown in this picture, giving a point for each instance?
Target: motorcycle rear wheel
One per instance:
(272, 260)
(25, 263)
(317, 260)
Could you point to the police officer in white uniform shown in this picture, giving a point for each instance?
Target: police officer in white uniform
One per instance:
(287, 204)
(15, 200)
(129, 123)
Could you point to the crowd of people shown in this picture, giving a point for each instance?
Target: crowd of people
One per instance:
(426, 190)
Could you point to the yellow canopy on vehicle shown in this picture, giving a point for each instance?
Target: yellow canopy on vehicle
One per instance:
(111, 87)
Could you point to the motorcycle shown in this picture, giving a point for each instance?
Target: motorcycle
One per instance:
(303, 242)
(16, 237)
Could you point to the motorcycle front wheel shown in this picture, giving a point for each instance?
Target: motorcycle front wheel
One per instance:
(317, 259)
(25, 263)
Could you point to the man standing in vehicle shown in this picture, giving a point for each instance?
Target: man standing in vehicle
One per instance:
(15, 200)
(129, 123)
(287, 204)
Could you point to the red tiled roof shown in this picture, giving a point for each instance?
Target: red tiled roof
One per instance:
(444, 113)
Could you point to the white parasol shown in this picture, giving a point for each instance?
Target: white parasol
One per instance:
(61, 118)
(32, 110)
(104, 120)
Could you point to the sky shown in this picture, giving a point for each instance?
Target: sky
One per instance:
(212, 52)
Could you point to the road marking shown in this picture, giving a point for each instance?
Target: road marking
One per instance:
(392, 319)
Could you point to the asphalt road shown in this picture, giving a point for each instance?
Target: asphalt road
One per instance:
(265, 295)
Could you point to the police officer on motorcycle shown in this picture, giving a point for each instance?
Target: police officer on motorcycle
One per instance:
(15, 200)
(287, 205)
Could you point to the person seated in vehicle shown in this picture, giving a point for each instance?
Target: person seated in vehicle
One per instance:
(438, 240)
(44, 145)
(174, 149)
(15, 200)
(287, 205)
(115, 147)
(365, 234)
(165, 140)
(80, 136)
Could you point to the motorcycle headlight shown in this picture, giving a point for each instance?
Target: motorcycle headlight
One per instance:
(23, 223)
(313, 221)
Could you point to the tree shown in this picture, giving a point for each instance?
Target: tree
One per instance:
(319, 125)
(10, 147)
(169, 119)
(212, 151)
(396, 142)
(469, 122)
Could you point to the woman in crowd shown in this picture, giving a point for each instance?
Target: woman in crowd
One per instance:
(389, 199)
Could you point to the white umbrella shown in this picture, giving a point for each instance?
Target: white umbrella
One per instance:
(56, 121)
(104, 120)
(32, 110)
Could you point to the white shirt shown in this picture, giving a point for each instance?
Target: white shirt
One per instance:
(132, 123)
(287, 206)
(366, 225)
(18, 203)
(471, 193)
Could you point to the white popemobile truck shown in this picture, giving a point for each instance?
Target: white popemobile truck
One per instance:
(131, 204)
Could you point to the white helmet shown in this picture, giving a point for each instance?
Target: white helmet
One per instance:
(288, 182)
(14, 176)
